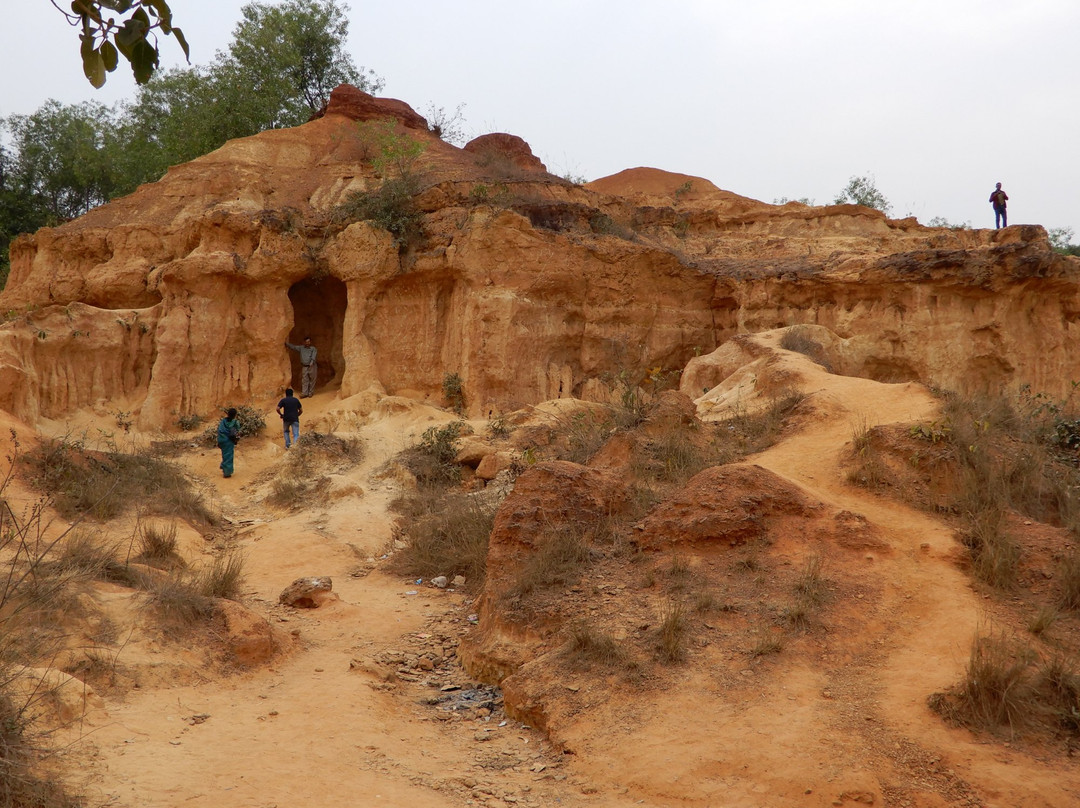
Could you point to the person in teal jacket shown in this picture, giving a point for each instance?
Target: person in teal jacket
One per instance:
(228, 435)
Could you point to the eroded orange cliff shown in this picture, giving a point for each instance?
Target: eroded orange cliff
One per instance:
(177, 299)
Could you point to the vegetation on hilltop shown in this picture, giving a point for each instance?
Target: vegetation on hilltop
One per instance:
(279, 69)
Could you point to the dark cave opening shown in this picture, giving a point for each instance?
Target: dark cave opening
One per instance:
(319, 312)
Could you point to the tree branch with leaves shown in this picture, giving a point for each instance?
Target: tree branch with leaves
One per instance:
(133, 34)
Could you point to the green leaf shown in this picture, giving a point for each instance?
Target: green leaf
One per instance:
(161, 10)
(93, 65)
(85, 9)
(86, 45)
(144, 59)
(131, 32)
(176, 32)
(142, 18)
(108, 55)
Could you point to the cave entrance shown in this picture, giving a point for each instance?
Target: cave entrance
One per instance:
(319, 312)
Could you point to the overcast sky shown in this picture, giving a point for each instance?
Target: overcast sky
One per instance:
(937, 99)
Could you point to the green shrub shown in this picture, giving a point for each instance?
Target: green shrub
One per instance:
(250, 422)
(189, 422)
(432, 460)
(390, 207)
(453, 392)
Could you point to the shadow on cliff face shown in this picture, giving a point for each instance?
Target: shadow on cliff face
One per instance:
(319, 305)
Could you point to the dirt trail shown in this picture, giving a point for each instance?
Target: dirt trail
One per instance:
(926, 617)
(309, 729)
(841, 720)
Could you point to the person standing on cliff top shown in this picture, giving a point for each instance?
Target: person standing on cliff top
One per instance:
(308, 354)
(999, 199)
(289, 408)
(228, 435)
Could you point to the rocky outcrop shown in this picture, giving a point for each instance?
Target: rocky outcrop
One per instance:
(509, 147)
(357, 105)
(526, 286)
(248, 638)
(307, 593)
(548, 502)
(723, 506)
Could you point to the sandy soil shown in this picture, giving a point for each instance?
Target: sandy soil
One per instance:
(842, 721)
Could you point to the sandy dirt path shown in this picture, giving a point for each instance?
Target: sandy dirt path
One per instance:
(842, 719)
(310, 729)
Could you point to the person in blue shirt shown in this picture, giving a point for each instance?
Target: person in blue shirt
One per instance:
(289, 408)
(228, 435)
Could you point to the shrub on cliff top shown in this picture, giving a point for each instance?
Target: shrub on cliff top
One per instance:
(390, 207)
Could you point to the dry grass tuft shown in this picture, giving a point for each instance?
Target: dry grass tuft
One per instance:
(23, 783)
(1043, 621)
(1069, 582)
(224, 578)
(105, 484)
(996, 693)
(84, 553)
(180, 600)
(673, 633)
(746, 434)
(290, 492)
(1057, 684)
(868, 469)
(33, 589)
(157, 546)
(560, 561)
(798, 339)
(767, 644)
(588, 647)
(185, 599)
(810, 586)
(445, 534)
(995, 555)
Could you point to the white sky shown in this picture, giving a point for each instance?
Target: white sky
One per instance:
(937, 99)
